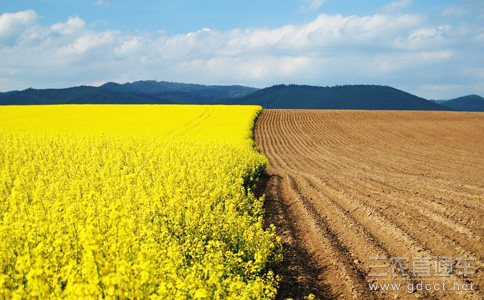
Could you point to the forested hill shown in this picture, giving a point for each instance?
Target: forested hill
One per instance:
(167, 89)
(370, 97)
(138, 92)
(74, 95)
(466, 103)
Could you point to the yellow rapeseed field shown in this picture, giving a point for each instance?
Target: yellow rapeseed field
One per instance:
(132, 202)
(224, 123)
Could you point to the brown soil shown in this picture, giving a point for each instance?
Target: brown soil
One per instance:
(345, 186)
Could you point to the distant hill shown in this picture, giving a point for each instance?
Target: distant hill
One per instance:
(74, 95)
(439, 101)
(139, 92)
(181, 92)
(466, 103)
(371, 97)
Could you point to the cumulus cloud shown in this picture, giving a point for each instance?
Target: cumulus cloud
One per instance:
(72, 25)
(85, 43)
(402, 50)
(12, 25)
(129, 47)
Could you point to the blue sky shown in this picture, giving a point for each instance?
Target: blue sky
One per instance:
(430, 48)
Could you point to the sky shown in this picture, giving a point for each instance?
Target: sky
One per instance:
(433, 49)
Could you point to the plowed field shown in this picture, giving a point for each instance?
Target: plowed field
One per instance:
(359, 193)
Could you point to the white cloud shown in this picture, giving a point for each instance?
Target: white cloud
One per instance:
(389, 63)
(480, 38)
(436, 55)
(311, 5)
(130, 46)
(326, 30)
(426, 38)
(13, 24)
(402, 50)
(252, 68)
(452, 11)
(396, 7)
(87, 42)
(72, 25)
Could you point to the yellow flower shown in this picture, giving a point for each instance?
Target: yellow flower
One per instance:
(132, 202)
